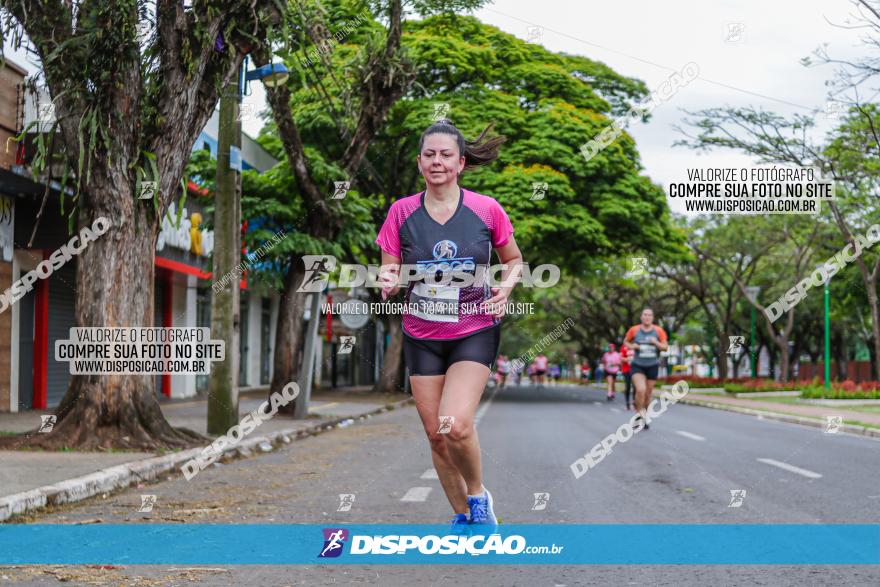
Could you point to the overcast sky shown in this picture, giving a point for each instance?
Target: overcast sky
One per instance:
(650, 40)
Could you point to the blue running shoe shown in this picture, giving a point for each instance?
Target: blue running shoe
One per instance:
(459, 524)
(481, 509)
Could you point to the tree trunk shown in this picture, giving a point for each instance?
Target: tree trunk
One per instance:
(875, 327)
(389, 378)
(723, 344)
(288, 336)
(114, 288)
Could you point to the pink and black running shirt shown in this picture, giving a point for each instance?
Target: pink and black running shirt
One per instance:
(465, 241)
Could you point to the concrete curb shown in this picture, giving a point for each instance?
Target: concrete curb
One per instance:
(122, 476)
(788, 418)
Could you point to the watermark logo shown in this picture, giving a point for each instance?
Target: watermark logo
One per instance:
(441, 110)
(664, 92)
(629, 429)
(234, 435)
(47, 423)
(56, 260)
(340, 189)
(46, 111)
(147, 503)
(737, 496)
(823, 273)
(445, 269)
(534, 34)
(446, 423)
(833, 108)
(148, 190)
(318, 268)
(833, 424)
(638, 266)
(541, 501)
(247, 111)
(334, 539)
(734, 32)
(346, 345)
(736, 344)
(346, 500)
(539, 189)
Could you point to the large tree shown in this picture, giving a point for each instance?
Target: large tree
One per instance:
(128, 108)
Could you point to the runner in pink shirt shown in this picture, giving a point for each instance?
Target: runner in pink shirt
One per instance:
(611, 365)
(451, 338)
(540, 368)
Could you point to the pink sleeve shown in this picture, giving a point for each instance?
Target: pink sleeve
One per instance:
(501, 226)
(389, 235)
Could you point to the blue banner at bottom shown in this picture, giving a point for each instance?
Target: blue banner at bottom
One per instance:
(576, 544)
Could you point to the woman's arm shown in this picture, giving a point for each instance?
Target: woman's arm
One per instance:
(511, 261)
(389, 275)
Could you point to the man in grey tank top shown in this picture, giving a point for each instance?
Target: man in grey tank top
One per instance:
(646, 341)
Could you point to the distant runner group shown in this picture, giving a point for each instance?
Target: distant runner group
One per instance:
(637, 361)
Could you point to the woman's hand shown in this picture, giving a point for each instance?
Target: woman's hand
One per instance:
(388, 279)
(497, 304)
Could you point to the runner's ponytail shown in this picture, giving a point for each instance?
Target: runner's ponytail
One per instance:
(480, 151)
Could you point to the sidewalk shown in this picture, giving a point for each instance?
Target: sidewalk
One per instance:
(800, 414)
(33, 479)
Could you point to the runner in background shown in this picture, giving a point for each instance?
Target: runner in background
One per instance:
(555, 371)
(503, 367)
(647, 340)
(540, 368)
(626, 357)
(611, 365)
(585, 371)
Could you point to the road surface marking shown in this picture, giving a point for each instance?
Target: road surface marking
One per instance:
(689, 435)
(598, 403)
(615, 410)
(484, 407)
(416, 494)
(429, 474)
(791, 468)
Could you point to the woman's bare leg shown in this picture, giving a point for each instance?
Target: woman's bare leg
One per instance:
(427, 391)
(465, 381)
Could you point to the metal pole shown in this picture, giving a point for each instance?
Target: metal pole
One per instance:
(753, 347)
(308, 367)
(223, 388)
(827, 336)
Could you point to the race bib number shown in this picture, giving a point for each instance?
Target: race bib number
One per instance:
(647, 351)
(437, 303)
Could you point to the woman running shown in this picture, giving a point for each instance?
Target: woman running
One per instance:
(448, 347)
(502, 366)
(647, 341)
(626, 357)
(611, 365)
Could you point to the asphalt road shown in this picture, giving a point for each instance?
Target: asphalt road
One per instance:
(682, 470)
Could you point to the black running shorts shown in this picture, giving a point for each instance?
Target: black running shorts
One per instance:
(648, 372)
(433, 357)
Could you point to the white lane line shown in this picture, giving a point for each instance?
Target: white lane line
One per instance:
(484, 407)
(615, 410)
(690, 435)
(429, 474)
(599, 403)
(791, 468)
(416, 494)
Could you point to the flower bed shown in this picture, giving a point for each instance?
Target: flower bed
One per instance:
(699, 382)
(842, 390)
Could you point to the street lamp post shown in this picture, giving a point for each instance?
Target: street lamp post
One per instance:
(712, 309)
(223, 389)
(670, 323)
(223, 386)
(752, 294)
(827, 335)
